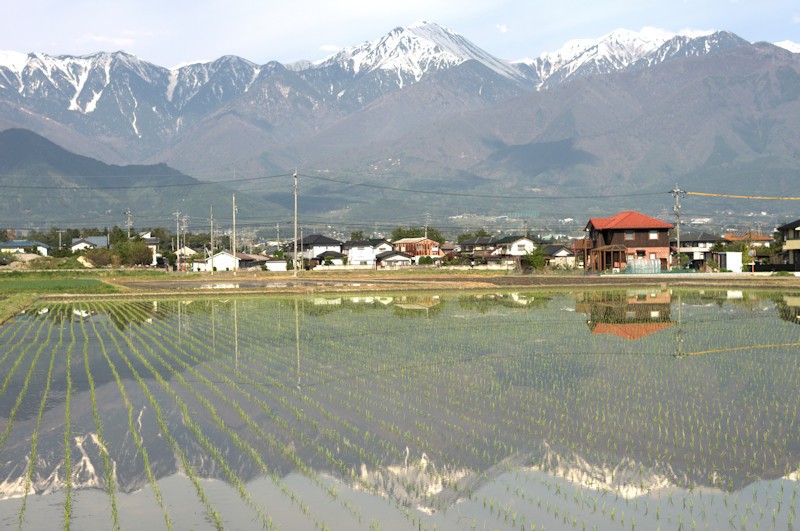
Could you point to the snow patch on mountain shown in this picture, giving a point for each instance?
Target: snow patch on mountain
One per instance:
(789, 45)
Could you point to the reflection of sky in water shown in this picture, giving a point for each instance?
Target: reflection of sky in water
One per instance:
(437, 403)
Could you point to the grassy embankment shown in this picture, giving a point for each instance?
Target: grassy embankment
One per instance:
(20, 289)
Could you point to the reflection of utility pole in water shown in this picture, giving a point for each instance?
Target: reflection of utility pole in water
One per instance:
(236, 331)
(180, 324)
(297, 340)
(679, 333)
(213, 328)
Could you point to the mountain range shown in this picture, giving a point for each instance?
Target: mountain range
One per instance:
(423, 108)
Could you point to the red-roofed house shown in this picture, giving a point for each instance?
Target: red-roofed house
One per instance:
(614, 242)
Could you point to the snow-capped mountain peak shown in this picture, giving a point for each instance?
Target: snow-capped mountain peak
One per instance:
(413, 51)
(617, 50)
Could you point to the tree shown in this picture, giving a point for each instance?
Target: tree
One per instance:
(535, 260)
(135, 252)
(117, 235)
(417, 232)
(357, 235)
(3, 235)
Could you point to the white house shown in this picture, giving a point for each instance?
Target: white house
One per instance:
(89, 242)
(363, 252)
(152, 244)
(514, 246)
(225, 261)
(23, 246)
(559, 256)
(394, 258)
(314, 245)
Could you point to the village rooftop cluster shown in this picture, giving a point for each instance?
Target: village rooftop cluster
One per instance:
(626, 242)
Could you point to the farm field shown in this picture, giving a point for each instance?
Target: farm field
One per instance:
(638, 408)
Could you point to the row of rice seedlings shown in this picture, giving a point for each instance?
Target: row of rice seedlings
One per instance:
(28, 346)
(286, 450)
(207, 445)
(108, 471)
(15, 328)
(619, 420)
(12, 414)
(137, 438)
(323, 451)
(67, 419)
(35, 436)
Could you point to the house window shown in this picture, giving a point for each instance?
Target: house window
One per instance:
(521, 247)
(629, 235)
(655, 314)
(630, 315)
(640, 253)
(653, 234)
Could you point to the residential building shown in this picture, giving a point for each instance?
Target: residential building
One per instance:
(791, 243)
(559, 256)
(152, 244)
(626, 237)
(418, 247)
(24, 246)
(481, 246)
(363, 252)
(697, 246)
(225, 261)
(749, 237)
(514, 246)
(393, 258)
(89, 242)
(312, 246)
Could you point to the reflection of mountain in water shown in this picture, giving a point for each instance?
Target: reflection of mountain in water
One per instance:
(423, 413)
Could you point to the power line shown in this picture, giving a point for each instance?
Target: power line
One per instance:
(759, 197)
(143, 186)
(465, 194)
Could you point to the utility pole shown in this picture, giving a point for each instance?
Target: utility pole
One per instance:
(60, 231)
(130, 222)
(212, 240)
(177, 239)
(233, 240)
(427, 222)
(278, 233)
(677, 193)
(294, 260)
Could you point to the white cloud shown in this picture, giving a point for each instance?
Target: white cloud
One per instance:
(502, 28)
(330, 48)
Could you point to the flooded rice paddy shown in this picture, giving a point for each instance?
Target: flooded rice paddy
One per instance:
(637, 409)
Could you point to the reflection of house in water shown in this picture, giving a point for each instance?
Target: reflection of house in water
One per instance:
(633, 314)
(789, 308)
(418, 302)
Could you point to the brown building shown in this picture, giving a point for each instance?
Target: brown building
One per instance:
(418, 247)
(614, 242)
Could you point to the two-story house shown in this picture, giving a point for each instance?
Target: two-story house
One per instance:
(697, 247)
(363, 252)
(418, 247)
(315, 248)
(627, 237)
(791, 243)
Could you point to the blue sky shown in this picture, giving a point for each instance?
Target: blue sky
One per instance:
(173, 32)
